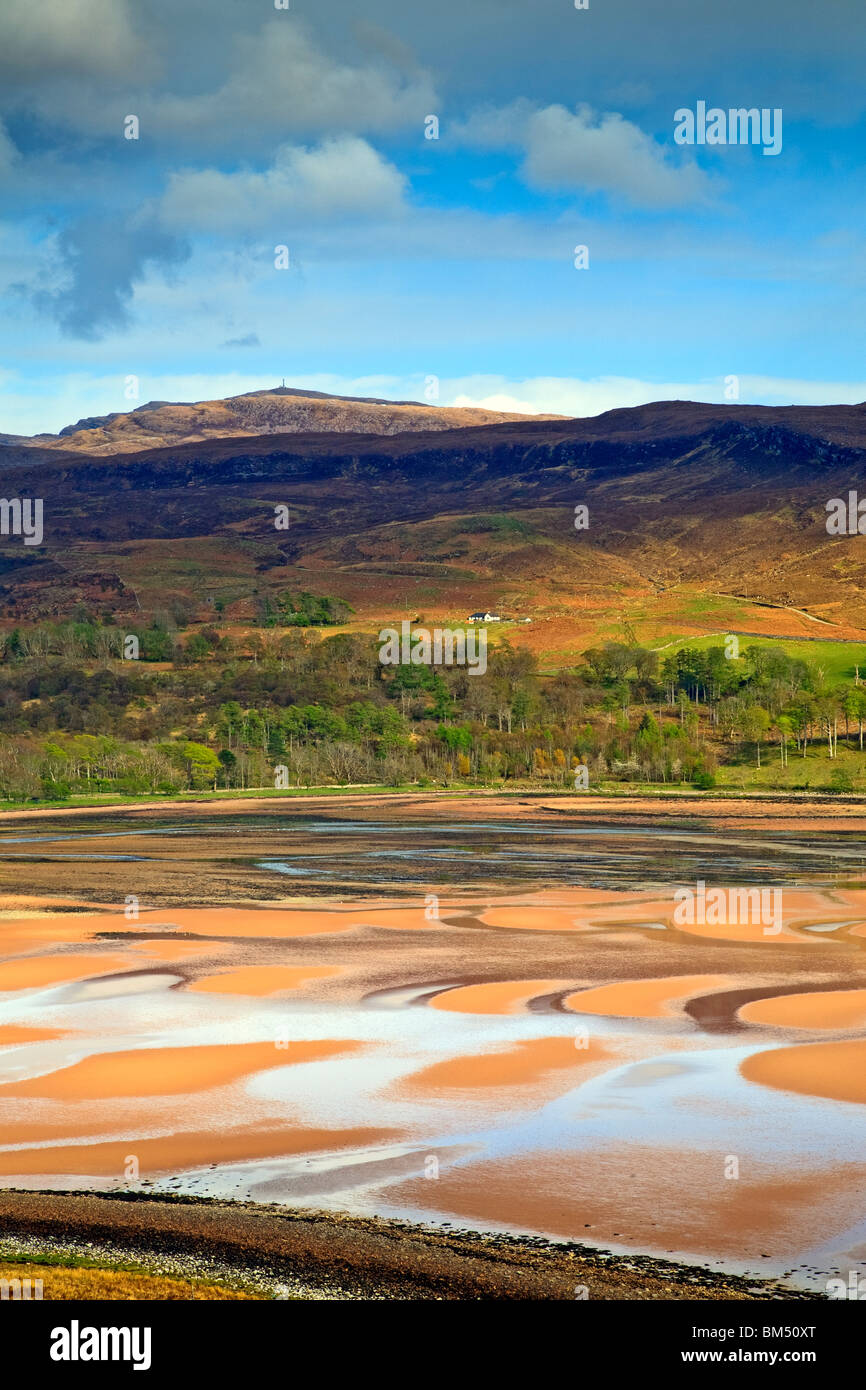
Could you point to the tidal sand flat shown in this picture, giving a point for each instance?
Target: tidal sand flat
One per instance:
(481, 1013)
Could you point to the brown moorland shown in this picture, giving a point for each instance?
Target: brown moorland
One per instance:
(701, 519)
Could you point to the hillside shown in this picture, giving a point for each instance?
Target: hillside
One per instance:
(700, 517)
(279, 411)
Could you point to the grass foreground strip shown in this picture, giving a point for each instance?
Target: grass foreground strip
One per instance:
(63, 1278)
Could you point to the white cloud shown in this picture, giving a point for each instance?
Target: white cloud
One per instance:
(606, 154)
(795, 391)
(341, 178)
(586, 151)
(571, 396)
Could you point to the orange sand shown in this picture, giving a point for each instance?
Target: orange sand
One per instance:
(204, 922)
(500, 997)
(37, 972)
(748, 931)
(168, 1071)
(586, 903)
(122, 1118)
(400, 919)
(175, 1152)
(644, 1198)
(834, 1070)
(11, 1033)
(263, 979)
(21, 937)
(644, 998)
(526, 1061)
(838, 1008)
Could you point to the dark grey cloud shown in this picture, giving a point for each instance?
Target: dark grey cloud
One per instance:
(98, 268)
(60, 38)
(269, 80)
(218, 75)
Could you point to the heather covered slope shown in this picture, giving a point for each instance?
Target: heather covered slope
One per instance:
(699, 516)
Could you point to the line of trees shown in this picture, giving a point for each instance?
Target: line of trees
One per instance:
(225, 710)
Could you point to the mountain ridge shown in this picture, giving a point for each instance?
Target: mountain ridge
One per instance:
(281, 409)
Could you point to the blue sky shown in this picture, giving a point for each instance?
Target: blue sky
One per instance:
(413, 258)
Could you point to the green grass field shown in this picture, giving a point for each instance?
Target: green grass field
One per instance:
(814, 773)
(836, 659)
